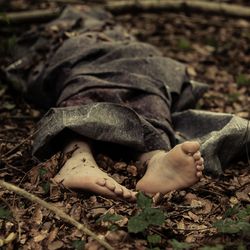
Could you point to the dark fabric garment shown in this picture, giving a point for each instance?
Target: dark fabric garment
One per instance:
(105, 85)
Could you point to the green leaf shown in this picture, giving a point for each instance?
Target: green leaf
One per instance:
(143, 201)
(242, 80)
(46, 187)
(110, 217)
(184, 44)
(154, 216)
(216, 247)
(233, 97)
(244, 213)
(232, 227)
(78, 244)
(179, 245)
(154, 239)
(42, 172)
(113, 227)
(5, 213)
(231, 211)
(137, 224)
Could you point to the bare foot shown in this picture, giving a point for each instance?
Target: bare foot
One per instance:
(82, 172)
(179, 168)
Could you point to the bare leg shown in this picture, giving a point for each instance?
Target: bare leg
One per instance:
(179, 168)
(82, 172)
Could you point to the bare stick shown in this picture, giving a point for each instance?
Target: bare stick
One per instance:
(28, 16)
(141, 5)
(196, 5)
(56, 210)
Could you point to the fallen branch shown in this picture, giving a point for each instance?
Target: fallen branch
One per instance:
(30, 16)
(56, 210)
(163, 5)
(140, 5)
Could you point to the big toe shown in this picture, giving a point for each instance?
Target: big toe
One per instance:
(190, 147)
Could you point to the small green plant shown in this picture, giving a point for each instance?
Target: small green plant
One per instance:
(184, 44)
(153, 240)
(233, 97)
(112, 219)
(147, 215)
(238, 224)
(179, 245)
(42, 171)
(5, 213)
(242, 80)
(78, 244)
(46, 187)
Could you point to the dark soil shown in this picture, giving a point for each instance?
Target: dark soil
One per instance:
(217, 50)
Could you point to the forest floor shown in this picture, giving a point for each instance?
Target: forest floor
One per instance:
(217, 51)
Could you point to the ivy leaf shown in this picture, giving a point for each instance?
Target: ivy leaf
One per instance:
(78, 244)
(137, 224)
(231, 211)
(154, 239)
(4, 213)
(154, 216)
(244, 213)
(242, 80)
(179, 245)
(143, 201)
(232, 227)
(110, 217)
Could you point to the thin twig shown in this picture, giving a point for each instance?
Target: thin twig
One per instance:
(18, 145)
(56, 210)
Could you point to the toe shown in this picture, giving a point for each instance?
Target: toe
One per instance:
(126, 194)
(101, 182)
(190, 147)
(197, 156)
(199, 174)
(110, 185)
(118, 190)
(199, 162)
(200, 167)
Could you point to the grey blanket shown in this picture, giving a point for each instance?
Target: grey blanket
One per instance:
(103, 84)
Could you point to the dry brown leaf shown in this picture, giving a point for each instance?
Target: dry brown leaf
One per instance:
(41, 236)
(55, 245)
(52, 235)
(181, 225)
(38, 215)
(244, 195)
(132, 170)
(193, 216)
(116, 236)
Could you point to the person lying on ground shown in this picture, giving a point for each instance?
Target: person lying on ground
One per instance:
(104, 85)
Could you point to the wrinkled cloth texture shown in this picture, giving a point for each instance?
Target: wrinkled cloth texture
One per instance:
(103, 84)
